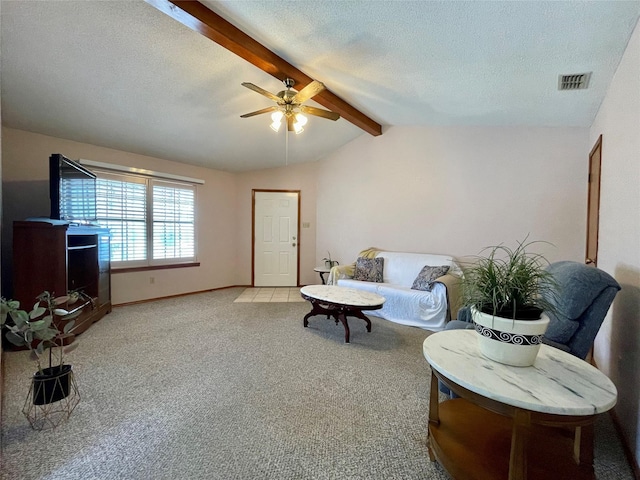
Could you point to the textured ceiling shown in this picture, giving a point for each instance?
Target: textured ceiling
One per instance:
(126, 76)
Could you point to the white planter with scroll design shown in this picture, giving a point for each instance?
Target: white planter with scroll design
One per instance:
(508, 341)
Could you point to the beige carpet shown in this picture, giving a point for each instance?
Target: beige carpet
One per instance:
(270, 295)
(200, 387)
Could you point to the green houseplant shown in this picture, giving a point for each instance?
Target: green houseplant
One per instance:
(328, 263)
(507, 290)
(509, 283)
(46, 331)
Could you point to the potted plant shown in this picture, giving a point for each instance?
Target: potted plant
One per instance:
(328, 263)
(46, 331)
(507, 290)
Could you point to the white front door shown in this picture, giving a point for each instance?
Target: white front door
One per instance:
(275, 246)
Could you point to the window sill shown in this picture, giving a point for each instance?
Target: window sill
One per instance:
(154, 267)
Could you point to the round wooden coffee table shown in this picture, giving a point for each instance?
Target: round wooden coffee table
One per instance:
(340, 302)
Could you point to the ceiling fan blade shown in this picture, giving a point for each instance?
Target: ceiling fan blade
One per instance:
(308, 92)
(258, 112)
(262, 91)
(319, 112)
(290, 123)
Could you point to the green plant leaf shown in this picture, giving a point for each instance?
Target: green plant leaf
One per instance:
(20, 317)
(506, 281)
(15, 339)
(60, 300)
(60, 312)
(69, 326)
(38, 325)
(46, 334)
(45, 296)
(37, 311)
(5, 309)
(71, 347)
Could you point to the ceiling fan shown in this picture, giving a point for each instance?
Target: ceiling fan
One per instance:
(290, 105)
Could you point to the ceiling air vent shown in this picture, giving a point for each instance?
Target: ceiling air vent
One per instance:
(576, 81)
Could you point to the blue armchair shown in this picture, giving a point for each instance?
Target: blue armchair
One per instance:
(583, 300)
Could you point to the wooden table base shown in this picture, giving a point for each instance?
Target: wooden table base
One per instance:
(472, 442)
(338, 312)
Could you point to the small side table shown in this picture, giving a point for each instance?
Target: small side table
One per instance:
(322, 271)
(513, 422)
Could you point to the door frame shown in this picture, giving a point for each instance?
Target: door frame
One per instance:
(253, 230)
(596, 147)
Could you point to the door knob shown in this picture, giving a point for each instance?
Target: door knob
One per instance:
(293, 244)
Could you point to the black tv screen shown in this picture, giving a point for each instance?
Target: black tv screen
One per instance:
(72, 190)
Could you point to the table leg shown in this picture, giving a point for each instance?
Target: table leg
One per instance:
(583, 445)
(316, 309)
(359, 314)
(343, 318)
(322, 278)
(434, 412)
(339, 314)
(518, 459)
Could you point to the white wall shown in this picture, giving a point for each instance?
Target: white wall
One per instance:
(293, 177)
(413, 189)
(26, 193)
(617, 348)
(455, 190)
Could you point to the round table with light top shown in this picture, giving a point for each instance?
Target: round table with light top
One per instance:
(321, 271)
(513, 422)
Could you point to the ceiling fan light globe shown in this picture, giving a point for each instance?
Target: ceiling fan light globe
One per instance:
(277, 117)
(301, 119)
(297, 128)
(275, 126)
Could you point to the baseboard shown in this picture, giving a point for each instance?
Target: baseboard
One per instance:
(177, 295)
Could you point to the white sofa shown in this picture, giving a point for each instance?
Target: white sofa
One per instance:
(428, 310)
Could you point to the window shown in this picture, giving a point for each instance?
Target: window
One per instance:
(173, 221)
(152, 221)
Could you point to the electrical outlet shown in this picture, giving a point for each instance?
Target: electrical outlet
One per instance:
(306, 224)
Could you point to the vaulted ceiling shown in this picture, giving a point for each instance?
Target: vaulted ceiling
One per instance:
(125, 75)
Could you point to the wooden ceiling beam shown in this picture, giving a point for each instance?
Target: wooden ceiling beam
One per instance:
(198, 17)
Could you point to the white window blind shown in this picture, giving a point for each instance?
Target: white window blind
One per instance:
(121, 206)
(77, 198)
(152, 221)
(173, 221)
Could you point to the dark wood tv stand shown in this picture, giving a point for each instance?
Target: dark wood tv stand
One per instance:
(61, 258)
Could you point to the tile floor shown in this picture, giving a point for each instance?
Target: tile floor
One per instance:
(270, 294)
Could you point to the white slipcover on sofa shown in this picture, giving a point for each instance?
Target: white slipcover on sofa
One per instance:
(430, 310)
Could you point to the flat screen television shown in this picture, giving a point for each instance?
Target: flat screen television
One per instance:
(72, 190)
